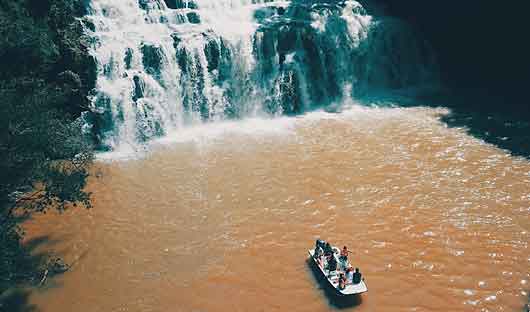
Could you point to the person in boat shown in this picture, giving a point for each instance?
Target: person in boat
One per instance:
(342, 281)
(343, 258)
(328, 250)
(349, 275)
(344, 254)
(357, 276)
(332, 263)
(320, 243)
(320, 261)
(319, 252)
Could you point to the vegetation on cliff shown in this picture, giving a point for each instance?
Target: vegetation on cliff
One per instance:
(46, 74)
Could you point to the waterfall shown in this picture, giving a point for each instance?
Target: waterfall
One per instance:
(164, 65)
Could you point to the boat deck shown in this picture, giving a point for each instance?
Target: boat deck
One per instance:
(333, 279)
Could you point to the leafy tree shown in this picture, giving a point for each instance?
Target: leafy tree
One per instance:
(46, 74)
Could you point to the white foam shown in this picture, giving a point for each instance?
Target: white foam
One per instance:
(469, 292)
(491, 298)
(256, 127)
(246, 127)
(204, 134)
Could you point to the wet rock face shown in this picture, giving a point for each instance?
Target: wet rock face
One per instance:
(150, 5)
(193, 17)
(174, 4)
(181, 4)
(291, 101)
(261, 14)
(149, 122)
(225, 67)
(203, 68)
(102, 119)
(144, 4)
(152, 57)
(213, 54)
(316, 44)
(128, 58)
(298, 57)
(395, 57)
(306, 44)
(192, 79)
(139, 86)
(297, 50)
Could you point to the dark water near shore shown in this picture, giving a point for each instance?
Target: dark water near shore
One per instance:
(496, 123)
(501, 121)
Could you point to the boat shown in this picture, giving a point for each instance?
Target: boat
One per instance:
(332, 277)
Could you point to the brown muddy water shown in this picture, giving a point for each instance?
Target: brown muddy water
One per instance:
(220, 217)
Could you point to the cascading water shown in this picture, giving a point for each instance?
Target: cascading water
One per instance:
(167, 64)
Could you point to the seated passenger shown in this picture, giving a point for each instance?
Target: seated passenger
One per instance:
(320, 262)
(328, 250)
(344, 254)
(349, 275)
(342, 281)
(332, 263)
(357, 277)
(318, 252)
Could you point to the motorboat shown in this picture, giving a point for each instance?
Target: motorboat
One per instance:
(349, 288)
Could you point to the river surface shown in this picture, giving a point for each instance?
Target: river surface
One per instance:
(220, 217)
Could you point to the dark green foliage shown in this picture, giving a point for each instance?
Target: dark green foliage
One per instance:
(46, 74)
(33, 44)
